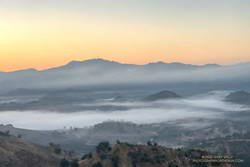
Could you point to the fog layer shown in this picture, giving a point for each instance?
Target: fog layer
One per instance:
(208, 106)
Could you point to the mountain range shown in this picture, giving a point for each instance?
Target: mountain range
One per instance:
(103, 74)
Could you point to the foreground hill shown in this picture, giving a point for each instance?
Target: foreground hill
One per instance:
(15, 152)
(151, 155)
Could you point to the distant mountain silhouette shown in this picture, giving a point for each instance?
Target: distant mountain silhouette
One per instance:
(87, 63)
(102, 62)
(149, 66)
(161, 96)
(100, 73)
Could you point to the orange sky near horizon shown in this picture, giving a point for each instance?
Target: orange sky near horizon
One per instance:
(44, 40)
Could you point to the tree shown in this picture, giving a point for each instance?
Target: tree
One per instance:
(98, 164)
(172, 164)
(56, 148)
(115, 161)
(64, 163)
(87, 156)
(74, 163)
(103, 147)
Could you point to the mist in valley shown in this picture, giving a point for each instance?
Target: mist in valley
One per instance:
(205, 106)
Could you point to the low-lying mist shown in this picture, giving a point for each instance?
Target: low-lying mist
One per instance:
(207, 106)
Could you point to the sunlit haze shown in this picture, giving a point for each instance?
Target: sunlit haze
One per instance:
(43, 33)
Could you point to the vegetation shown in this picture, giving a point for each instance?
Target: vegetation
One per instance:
(98, 164)
(56, 148)
(129, 155)
(15, 152)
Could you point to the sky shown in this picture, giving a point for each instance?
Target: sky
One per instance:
(47, 33)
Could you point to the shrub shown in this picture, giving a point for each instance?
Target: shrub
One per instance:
(115, 161)
(87, 156)
(103, 147)
(98, 164)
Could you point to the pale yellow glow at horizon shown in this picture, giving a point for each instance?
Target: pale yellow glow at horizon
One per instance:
(48, 41)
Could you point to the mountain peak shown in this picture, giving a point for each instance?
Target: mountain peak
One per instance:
(211, 65)
(164, 63)
(27, 70)
(158, 62)
(165, 94)
(75, 64)
(97, 60)
(90, 61)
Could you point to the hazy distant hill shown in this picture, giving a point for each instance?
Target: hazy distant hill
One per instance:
(15, 152)
(161, 96)
(240, 97)
(112, 64)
